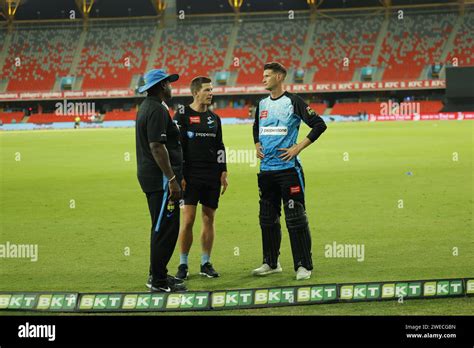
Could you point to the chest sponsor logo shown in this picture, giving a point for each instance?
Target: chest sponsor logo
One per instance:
(200, 135)
(273, 131)
(264, 114)
(194, 120)
(295, 189)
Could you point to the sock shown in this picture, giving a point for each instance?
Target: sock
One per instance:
(183, 259)
(205, 258)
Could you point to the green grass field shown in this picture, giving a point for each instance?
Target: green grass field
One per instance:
(355, 201)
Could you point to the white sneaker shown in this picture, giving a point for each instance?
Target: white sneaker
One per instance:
(265, 269)
(302, 273)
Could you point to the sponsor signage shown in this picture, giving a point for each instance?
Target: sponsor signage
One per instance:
(39, 301)
(237, 298)
(102, 302)
(247, 89)
(144, 301)
(448, 116)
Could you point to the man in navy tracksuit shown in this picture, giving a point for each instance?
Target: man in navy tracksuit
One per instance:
(275, 131)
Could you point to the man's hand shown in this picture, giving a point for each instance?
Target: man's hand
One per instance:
(183, 184)
(175, 191)
(290, 153)
(259, 150)
(224, 182)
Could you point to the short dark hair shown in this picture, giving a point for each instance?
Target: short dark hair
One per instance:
(276, 67)
(197, 82)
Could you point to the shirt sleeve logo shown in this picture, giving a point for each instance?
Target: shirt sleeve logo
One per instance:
(194, 119)
(310, 111)
(263, 114)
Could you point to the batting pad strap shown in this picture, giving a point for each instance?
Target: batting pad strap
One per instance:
(295, 216)
(268, 214)
(300, 237)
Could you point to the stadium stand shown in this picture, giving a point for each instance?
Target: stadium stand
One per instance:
(431, 106)
(411, 44)
(414, 42)
(37, 56)
(52, 117)
(319, 108)
(11, 117)
(105, 53)
(355, 40)
(2, 38)
(261, 42)
(120, 115)
(190, 50)
(232, 112)
(352, 109)
(463, 48)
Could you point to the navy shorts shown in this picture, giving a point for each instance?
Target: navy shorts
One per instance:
(201, 191)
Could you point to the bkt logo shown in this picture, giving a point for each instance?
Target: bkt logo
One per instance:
(144, 301)
(397, 290)
(263, 297)
(66, 302)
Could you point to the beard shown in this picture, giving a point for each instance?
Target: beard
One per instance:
(167, 95)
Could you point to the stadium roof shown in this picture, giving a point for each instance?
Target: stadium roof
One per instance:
(60, 9)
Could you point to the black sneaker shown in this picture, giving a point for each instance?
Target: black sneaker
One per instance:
(171, 285)
(170, 278)
(182, 273)
(175, 280)
(208, 271)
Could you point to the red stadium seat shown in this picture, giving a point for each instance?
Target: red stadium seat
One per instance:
(112, 55)
(264, 41)
(192, 50)
(120, 115)
(36, 57)
(233, 112)
(8, 117)
(52, 117)
(414, 43)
